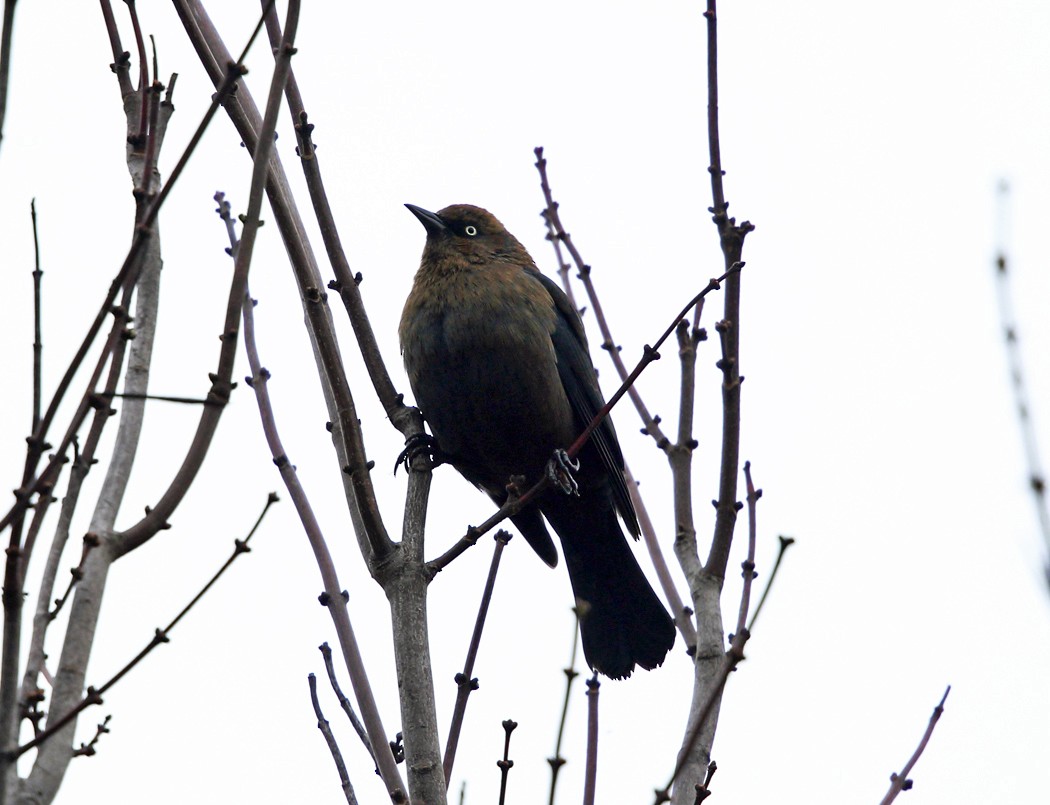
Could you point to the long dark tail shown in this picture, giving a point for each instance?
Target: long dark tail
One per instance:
(622, 621)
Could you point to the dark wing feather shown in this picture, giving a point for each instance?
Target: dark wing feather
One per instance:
(581, 386)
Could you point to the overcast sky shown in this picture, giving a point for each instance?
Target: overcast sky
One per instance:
(865, 143)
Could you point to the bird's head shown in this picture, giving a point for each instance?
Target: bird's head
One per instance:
(462, 235)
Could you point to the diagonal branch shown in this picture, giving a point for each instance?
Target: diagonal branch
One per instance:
(333, 597)
(516, 504)
(371, 532)
(901, 782)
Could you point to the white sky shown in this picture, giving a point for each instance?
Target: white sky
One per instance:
(865, 143)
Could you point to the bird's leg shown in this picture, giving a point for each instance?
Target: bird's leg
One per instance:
(560, 469)
(414, 445)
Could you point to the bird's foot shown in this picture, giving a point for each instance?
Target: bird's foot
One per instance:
(416, 444)
(560, 469)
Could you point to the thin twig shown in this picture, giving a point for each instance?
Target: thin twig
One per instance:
(505, 764)
(38, 345)
(901, 782)
(88, 749)
(346, 283)
(552, 233)
(748, 566)
(590, 775)
(557, 235)
(731, 237)
(703, 790)
(124, 278)
(355, 722)
(332, 598)
(121, 58)
(1022, 404)
(219, 393)
(5, 59)
(333, 747)
(94, 695)
(347, 436)
(464, 681)
(557, 761)
(680, 612)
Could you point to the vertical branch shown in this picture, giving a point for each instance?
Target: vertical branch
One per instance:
(5, 64)
(38, 345)
(144, 286)
(557, 761)
(401, 571)
(505, 764)
(591, 773)
(711, 663)
(1022, 406)
(731, 237)
(142, 263)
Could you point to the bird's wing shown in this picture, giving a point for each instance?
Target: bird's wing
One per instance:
(581, 387)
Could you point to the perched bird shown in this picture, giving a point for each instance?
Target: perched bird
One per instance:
(498, 363)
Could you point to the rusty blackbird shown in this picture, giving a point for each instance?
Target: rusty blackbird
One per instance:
(498, 362)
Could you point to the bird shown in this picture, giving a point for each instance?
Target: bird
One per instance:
(497, 360)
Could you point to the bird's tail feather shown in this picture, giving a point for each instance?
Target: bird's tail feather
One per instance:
(622, 621)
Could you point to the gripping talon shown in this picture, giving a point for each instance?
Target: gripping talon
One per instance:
(414, 445)
(560, 469)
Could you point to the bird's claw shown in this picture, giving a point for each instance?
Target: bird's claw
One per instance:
(560, 469)
(414, 445)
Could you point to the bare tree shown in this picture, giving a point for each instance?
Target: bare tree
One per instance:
(399, 566)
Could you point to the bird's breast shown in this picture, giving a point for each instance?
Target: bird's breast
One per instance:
(479, 355)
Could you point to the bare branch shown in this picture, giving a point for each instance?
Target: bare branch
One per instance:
(344, 702)
(465, 683)
(88, 749)
(333, 747)
(505, 764)
(346, 283)
(730, 660)
(126, 278)
(1022, 404)
(332, 597)
(121, 58)
(901, 782)
(557, 761)
(680, 612)
(38, 346)
(731, 237)
(651, 424)
(557, 235)
(515, 504)
(748, 566)
(5, 59)
(94, 695)
(376, 545)
(219, 393)
(590, 775)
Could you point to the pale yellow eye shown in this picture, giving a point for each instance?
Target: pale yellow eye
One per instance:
(471, 230)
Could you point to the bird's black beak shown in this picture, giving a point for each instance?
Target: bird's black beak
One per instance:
(431, 221)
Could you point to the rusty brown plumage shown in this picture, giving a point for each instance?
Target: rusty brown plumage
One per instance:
(498, 363)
